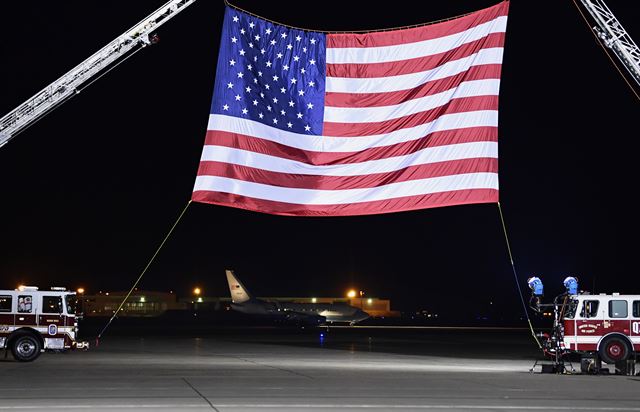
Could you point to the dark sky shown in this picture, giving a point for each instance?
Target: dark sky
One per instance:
(88, 193)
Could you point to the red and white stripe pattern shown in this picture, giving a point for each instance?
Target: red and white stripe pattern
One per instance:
(410, 122)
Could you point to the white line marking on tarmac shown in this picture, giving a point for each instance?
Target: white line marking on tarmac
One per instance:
(107, 406)
(326, 406)
(424, 327)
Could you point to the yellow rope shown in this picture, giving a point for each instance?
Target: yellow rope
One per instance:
(515, 274)
(143, 272)
(226, 2)
(606, 51)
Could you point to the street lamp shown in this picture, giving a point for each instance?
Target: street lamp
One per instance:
(351, 294)
(197, 291)
(80, 291)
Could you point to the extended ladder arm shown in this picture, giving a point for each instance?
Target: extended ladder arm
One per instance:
(68, 85)
(615, 36)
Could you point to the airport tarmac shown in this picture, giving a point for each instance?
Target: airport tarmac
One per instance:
(275, 370)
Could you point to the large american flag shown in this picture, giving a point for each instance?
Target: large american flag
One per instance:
(314, 124)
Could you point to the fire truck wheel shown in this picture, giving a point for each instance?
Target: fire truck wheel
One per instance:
(25, 348)
(614, 349)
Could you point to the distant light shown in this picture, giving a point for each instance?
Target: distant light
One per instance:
(143, 299)
(199, 300)
(107, 293)
(314, 300)
(21, 288)
(80, 290)
(197, 291)
(369, 301)
(351, 294)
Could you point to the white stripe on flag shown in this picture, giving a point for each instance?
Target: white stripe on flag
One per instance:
(423, 48)
(492, 55)
(487, 87)
(277, 164)
(332, 197)
(480, 118)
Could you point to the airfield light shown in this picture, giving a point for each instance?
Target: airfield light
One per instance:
(197, 291)
(80, 291)
(351, 294)
(314, 300)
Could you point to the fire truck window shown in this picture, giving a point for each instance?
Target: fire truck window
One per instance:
(571, 309)
(636, 308)
(72, 304)
(25, 303)
(618, 309)
(5, 303)
(589, 309)
(51, 304)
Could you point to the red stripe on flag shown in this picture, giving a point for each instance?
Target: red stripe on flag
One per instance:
(467, 104)
(250, 174)
(428, 32)
(258, 145)
(420, 64)
(488, 71)
(400, 204)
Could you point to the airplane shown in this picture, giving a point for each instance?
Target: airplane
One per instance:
(317, 314)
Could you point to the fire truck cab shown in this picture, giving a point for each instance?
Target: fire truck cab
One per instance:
(32, 321)
(606, 324)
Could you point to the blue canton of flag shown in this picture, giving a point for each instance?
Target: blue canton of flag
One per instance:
(270, 74)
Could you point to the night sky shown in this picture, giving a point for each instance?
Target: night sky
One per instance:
(88, 193)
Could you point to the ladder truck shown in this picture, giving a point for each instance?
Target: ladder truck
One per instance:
(70, 84)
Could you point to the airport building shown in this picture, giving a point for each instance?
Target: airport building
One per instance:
(150, 303)
(139, 304)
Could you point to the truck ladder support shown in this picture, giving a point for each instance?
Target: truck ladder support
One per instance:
(69, 84)
(615, 36)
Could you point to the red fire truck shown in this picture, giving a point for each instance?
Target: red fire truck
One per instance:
(606, 324)
(32, 321)
(604, 327)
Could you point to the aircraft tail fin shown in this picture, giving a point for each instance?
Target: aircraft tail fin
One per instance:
(239, 294)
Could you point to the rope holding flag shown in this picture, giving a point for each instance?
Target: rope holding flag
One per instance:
(515, 276)
(135, 284)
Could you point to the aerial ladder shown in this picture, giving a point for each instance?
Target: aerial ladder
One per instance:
(142, 34)
(70, 84)
(614, 36)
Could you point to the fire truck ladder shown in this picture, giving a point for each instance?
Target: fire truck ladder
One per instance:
(67, 86)
(615, 36)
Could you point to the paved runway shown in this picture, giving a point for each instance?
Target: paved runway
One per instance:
(273, 370)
